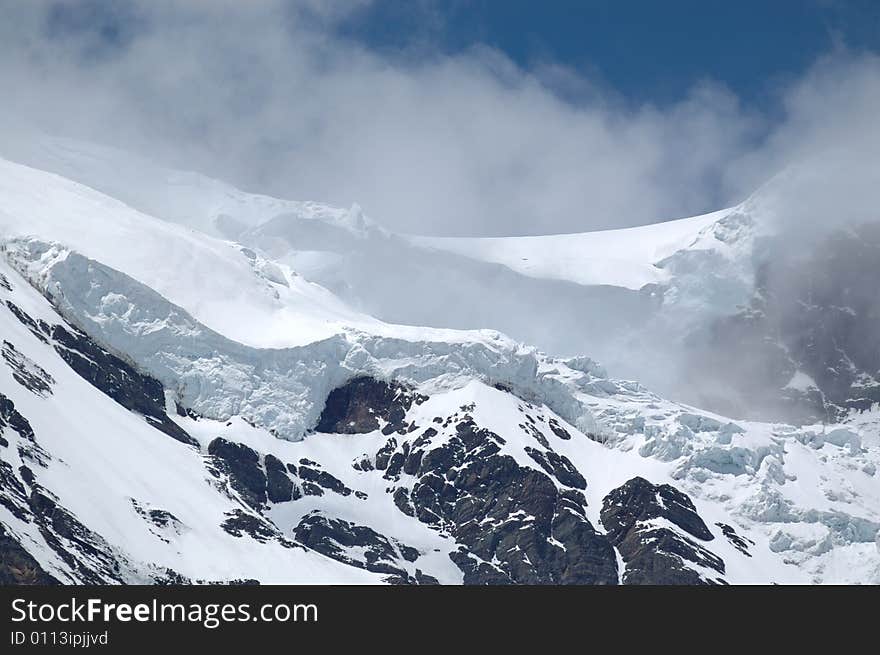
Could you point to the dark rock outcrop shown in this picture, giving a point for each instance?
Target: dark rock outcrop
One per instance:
(357, 407)
(26, 372)
(739, 542)
(279, 487)
(359, 546)
(310, 472)
(242, 465)
(239, 524)
(163, 524)
(639, 500)
(17, 566)
(116, 378)
(559, 467)
(815, 311)
(83, 550)
(12, 419)
(279, 482)
(513, 524)
(635, 515)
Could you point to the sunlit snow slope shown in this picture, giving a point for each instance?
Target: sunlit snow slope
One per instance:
(180, 408)
(229, 287)
(626, 258)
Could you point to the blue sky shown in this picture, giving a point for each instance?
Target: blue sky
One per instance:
(643, 50)
(459, 118)
(646, 50)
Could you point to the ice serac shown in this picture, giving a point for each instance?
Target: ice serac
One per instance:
(143, 400)
(93, 491)
(451, 462)
(805, 344)
(707, 297)
(283, 389)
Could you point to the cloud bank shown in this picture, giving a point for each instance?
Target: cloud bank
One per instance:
(266, 95)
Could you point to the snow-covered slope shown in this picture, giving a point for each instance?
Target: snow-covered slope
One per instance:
(178, 196)
(763, 494)
(628, 258)
(152, 503)
(165, 393)
(94, 493)
(590, 287)
(625, 258)
(205, 275)
(714, 310)
(228, 287)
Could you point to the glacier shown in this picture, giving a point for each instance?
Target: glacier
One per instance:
(248, 350)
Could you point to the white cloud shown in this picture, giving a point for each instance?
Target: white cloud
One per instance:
(263, 94)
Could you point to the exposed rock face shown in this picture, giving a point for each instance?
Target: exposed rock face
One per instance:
(359, 405)
(314, 481)
(27, 373)
(84, 551)
(10, 417)
(163, 523)
(638, 500)
(94, 560)
(559, 467)
(28, 448)
(279, 487)
(271, 479)
(241, 523)
(521, 525)
(651, 526)
(514, 524)
(742, 544)
(261, 481)
(359, 546)
(242, 465)
(807, 348)
(122, 382)
(17, 567)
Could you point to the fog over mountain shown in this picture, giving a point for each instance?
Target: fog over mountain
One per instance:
(268, 96)
(463, 145)
(277, 307)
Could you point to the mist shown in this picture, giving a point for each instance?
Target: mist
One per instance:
(267, 96)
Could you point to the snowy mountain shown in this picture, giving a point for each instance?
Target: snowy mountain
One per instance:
(196, 389)
(663, 303)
